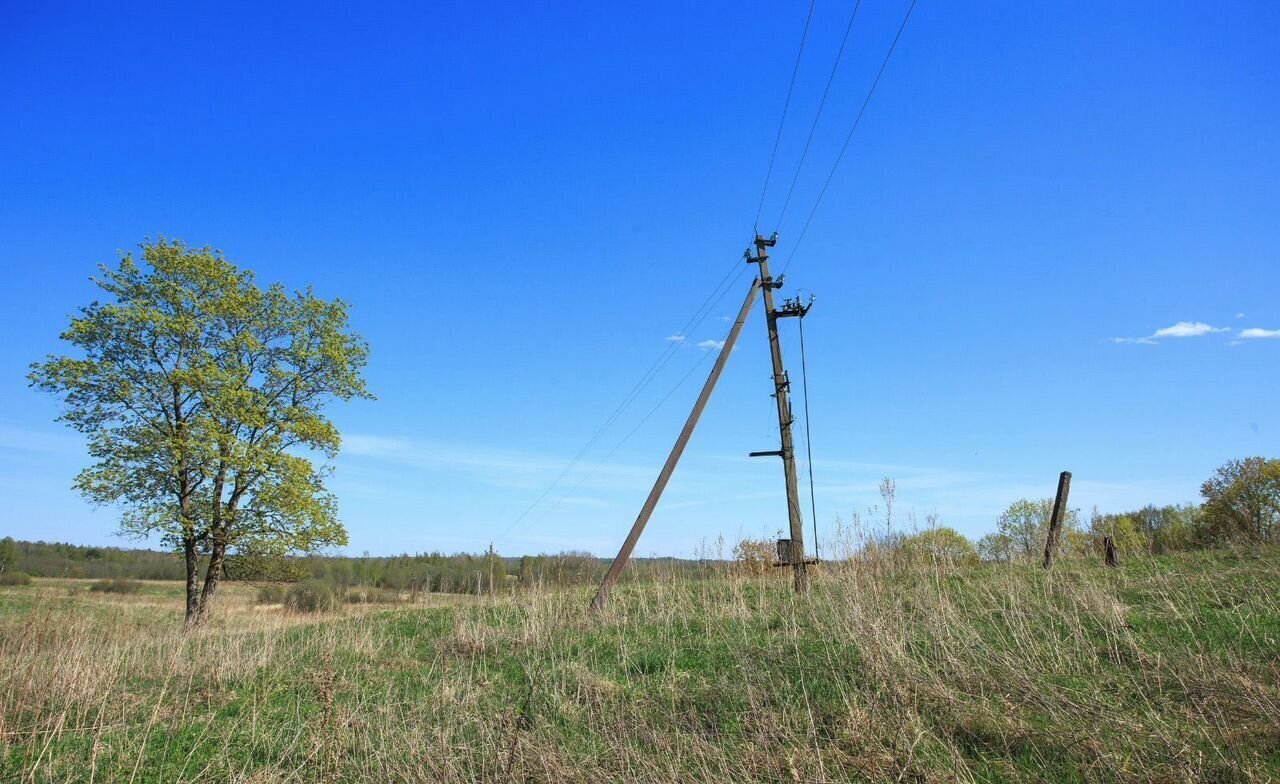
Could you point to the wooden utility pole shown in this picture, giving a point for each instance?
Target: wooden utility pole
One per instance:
(620, 561)
(1109, 552)
(1055, 520)
(781, 389)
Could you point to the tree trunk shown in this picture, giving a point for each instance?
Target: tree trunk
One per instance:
(211, 580)
(193, 584)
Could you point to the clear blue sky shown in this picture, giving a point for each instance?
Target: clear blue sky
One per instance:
(523, 202)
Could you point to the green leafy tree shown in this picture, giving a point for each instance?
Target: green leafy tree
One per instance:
(8, 553)
(1128, 533)
(1180, 529)
(995, 546)
(1242, 500)
(202, 397)
(1022, 528)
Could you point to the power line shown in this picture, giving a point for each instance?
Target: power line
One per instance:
(808, 441)
(596, 468)
(777, 139)
(821, 105)
(884, 64)
(548, 510)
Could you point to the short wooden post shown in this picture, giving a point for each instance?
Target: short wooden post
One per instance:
(1055, 520)
(1109, 550)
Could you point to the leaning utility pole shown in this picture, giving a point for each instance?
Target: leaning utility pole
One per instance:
(1055, 519)
(790, 552)
(619, 561)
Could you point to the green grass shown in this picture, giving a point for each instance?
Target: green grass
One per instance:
(1163, 670)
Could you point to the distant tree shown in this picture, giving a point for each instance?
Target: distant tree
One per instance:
(995, 546)
(939, 544)
(1021, 530)
(1127, 534)
(202, 397)
(1181, 528)
(8, 553)
(1242, 500)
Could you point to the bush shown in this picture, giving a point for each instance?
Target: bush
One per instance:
(14, 578)
(371, 596)
(116, 585)
(311, 596)
(939, 544)
(273, 593)
(755, 557)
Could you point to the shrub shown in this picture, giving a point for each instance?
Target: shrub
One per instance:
(939, 544)
(360, 596)
(311, 596)
(14, 578)
(272, 593)
(372, 596)
(755, 557)
(116, 585)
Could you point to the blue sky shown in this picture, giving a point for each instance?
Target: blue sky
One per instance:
(523, 203)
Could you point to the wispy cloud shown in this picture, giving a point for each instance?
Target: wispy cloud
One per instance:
(1254, 333)
(708, 345)
(1183, 329)
(677, 338)
(1188, 329)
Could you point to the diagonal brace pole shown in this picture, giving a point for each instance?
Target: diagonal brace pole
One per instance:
(620, 561)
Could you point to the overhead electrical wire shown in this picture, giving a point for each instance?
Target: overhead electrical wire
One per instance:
(818, 115)
(777, 139)
(808, 440)
(848, 138)
(629, 434)
(721, 289)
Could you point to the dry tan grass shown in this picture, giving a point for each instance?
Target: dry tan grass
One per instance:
(886, 672)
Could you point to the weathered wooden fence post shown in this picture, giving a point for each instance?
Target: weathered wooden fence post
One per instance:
(1055, 520)
(1109, 549)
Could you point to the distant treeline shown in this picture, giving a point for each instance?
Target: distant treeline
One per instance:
(55, 559)
(435, 572)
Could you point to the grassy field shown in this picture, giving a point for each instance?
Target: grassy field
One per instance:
(1167, 669)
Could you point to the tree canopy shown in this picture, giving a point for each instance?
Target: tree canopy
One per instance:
(202, 398)
(1021, 530)
(1242, 500)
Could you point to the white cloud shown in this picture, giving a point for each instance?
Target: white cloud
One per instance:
(1239, 315)
(677, 338)
(1188, 329)
(1253, 333)
(724, 318)
(708, 345)
(1183, 329)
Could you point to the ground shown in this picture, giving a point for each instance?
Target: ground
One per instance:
(1167, 669)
